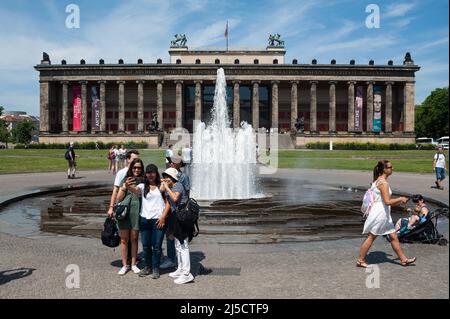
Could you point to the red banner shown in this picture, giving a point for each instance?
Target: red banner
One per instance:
(76, 108)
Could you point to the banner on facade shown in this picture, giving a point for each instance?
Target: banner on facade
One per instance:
(359, 109)
(76, 90)
(376, 109)
(95, 109)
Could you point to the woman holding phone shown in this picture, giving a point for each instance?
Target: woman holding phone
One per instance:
(129, 227)
(152, 219)
(379, 221)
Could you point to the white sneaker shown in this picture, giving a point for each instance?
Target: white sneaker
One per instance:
(177, 273)
(135, 269)
(123, 270)
(167, 264)
(184, 279)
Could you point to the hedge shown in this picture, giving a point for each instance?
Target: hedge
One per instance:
(84, 146)
(368, 146)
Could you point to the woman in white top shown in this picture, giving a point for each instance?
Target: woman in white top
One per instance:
(152, 220)
(379, 221)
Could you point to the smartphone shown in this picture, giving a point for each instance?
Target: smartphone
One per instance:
(138, 180)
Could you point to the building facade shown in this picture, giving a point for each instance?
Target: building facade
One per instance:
(115, 102)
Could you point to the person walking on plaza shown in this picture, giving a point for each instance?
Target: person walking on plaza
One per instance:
(111, 160)
(182, 232)
(122, 157)
(379, 220)
(129, 227)
(168, 154)
(439, 167)
(70, 157)
(152, 219)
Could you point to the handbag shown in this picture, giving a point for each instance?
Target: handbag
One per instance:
(122, 209)
(110, 234)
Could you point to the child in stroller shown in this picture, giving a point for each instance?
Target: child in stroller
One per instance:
(416, 216)
(420, 227)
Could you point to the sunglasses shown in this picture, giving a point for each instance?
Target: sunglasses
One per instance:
(137, 167)
(388, 167)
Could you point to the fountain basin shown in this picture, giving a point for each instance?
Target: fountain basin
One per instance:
(292, 211)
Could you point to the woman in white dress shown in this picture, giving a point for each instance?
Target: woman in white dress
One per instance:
(379, 221)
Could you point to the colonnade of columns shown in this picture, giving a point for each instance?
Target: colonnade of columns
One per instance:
(408, 110)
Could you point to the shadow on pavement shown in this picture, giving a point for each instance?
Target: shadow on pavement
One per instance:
(380, 257)
(13, 274)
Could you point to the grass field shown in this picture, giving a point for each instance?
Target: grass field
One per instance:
(21, 161)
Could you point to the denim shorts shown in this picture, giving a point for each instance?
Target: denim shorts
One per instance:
(440, 173)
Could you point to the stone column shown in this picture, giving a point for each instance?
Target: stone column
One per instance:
(179, 103)
(198, 101)
(369, 121)
(332, 110)
(236, 104)
(313, 108)
(121, 127)
(44, 106)
(351, 107)
(65, 106)
(140, 106)
(409, 107)
(159, 103)
(102, 106)
(275, 104)
(255, 105)
(294, 104)
(388, 110)
(84, 106)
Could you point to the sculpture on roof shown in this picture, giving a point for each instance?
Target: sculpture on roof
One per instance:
(179, 41)
(275, 38)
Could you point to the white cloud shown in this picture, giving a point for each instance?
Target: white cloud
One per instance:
(398, 9)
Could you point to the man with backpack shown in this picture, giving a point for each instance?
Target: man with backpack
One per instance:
(70, 157)
(439, 167)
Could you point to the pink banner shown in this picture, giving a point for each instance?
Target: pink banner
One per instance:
(76, 108)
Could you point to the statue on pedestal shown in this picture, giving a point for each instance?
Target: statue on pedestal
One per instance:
(300, 125)
(154, 126)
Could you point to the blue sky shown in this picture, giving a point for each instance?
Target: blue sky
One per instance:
(321, 29)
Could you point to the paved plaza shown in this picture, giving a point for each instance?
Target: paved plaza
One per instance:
(35, 266)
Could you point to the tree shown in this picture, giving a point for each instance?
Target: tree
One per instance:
(4, 133)
(432, 115)
(23, 132)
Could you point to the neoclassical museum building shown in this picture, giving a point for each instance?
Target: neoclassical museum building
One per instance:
(343, 102)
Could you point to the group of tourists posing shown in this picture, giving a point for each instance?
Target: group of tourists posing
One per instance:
(153, 201)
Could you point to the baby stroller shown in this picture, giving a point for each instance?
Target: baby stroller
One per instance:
(424, 231)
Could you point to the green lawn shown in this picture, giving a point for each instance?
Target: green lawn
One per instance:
(17, 161)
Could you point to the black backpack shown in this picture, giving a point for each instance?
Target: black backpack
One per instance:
(189, 213)
(67, 155)
(110, 233)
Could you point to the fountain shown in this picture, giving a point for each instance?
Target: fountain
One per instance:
(224, 160)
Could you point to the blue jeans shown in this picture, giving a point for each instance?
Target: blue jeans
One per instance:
(151, 237)
(440, 173)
